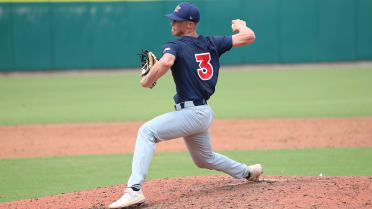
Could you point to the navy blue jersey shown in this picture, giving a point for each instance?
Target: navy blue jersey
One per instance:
(195, 70)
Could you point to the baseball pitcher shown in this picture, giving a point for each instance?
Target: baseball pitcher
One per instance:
(194, 63)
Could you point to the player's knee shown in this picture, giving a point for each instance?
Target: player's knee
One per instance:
(200, 164)
(145, 132)
(207, 162)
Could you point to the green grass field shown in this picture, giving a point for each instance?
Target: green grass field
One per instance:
(34, 177)
(246, 94)
(342, 92)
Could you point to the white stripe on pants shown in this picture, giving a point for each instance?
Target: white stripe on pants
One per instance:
(192, 123)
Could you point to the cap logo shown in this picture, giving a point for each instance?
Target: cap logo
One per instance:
(177, 8)
(190, 18)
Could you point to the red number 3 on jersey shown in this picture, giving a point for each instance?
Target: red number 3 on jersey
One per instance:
(205, 71)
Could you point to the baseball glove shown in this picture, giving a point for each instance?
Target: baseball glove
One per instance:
(148, 59)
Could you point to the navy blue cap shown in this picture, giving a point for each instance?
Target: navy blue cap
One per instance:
(185, 11)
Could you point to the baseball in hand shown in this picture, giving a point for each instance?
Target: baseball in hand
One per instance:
(233, 28)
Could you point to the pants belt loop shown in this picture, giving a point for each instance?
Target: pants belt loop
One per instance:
(189, 104)
(178, 106)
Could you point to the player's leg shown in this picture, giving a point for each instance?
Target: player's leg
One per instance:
(164, 127)
(200, 149)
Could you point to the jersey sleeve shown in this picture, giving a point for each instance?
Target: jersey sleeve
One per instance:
(170, 48)
(223, 43)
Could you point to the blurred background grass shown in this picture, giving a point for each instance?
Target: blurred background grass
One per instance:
(326, 92)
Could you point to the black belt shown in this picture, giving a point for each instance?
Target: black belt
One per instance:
(190, 103)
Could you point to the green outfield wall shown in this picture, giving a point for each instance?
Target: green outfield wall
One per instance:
(49, 35)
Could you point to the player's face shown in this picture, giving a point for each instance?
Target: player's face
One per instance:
(178, 28)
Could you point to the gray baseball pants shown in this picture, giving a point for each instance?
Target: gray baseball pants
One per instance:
(192, 124)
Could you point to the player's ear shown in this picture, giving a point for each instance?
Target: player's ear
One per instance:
(191, 25)
(188, 25)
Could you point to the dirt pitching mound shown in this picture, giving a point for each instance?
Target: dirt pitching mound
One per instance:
(222, 191)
